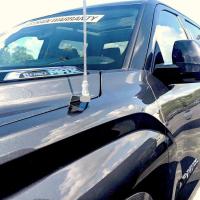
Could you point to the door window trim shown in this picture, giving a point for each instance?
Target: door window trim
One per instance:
(152, 43)
(193, 24)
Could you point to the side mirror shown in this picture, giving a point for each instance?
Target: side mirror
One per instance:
(186, 64)
(186, 55)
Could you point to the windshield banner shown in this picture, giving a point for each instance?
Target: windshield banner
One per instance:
(65, 19)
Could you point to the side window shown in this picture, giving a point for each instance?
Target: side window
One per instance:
(24, 47)
(168, 30)
(121, 45)
(21, 50)
(74, 46)
(194, 30)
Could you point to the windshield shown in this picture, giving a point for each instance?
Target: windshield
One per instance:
(57, 40)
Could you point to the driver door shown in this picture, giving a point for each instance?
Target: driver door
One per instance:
(180, 106)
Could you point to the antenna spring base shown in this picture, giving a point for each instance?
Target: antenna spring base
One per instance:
(85, 92)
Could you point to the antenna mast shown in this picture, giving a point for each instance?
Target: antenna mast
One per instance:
(85, 86)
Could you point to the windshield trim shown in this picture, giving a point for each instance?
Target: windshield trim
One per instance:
(132, 43)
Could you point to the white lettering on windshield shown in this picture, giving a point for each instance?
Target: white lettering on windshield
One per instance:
(65, 19)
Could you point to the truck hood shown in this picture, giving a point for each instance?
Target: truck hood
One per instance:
(25, 99)
(39, 110)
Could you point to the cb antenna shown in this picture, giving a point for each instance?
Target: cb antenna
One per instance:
(85, 97)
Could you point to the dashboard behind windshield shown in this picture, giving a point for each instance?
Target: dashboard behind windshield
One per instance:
(57, 40)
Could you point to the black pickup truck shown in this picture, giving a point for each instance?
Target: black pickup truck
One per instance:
(139, 136)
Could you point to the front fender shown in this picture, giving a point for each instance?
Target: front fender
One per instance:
(107, 173)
